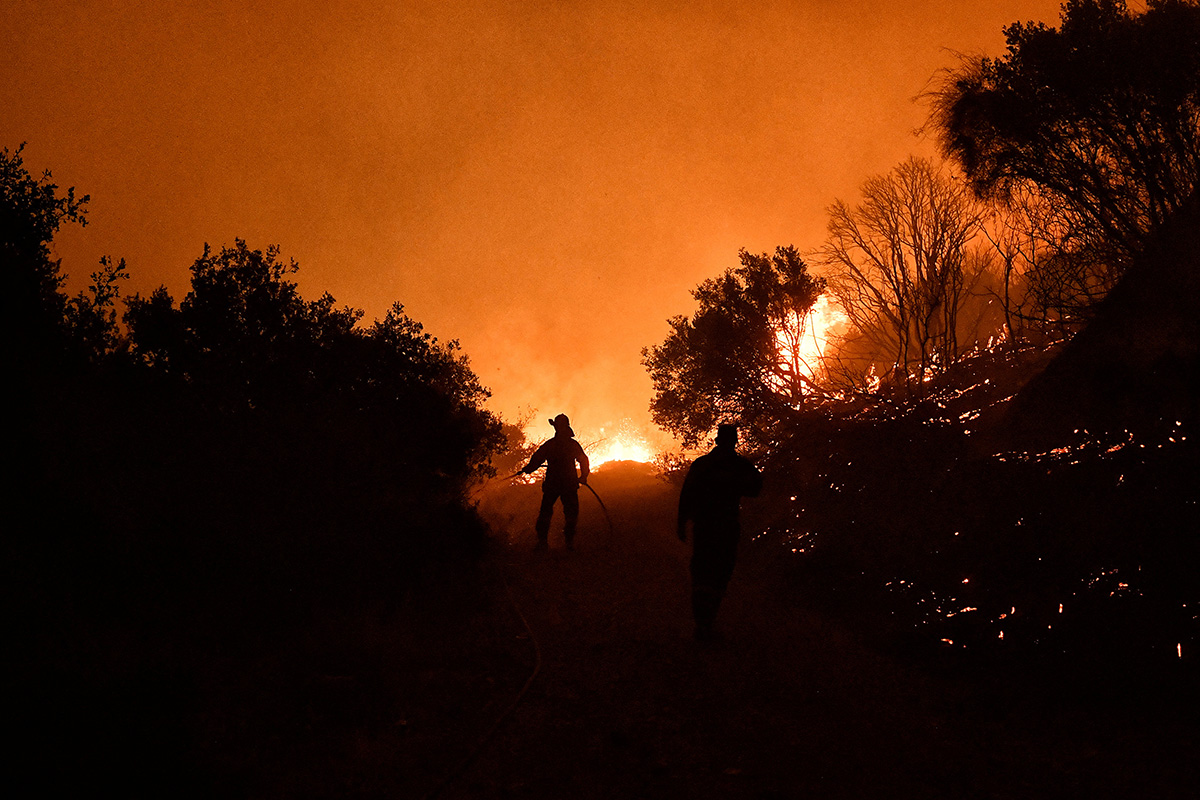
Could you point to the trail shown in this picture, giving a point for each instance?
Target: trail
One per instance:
(629, 705)
(786, 703)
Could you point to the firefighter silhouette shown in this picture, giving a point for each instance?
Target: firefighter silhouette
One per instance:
(711, 500)
(560, 455)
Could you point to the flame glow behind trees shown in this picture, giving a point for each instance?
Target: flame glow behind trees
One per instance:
(623, 442)
(803, 340)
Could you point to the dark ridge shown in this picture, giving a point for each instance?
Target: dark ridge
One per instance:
(1136, 365)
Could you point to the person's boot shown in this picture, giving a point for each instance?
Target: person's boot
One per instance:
(542, 545)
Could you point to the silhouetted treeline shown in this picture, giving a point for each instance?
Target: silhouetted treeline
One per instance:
(243, 417)
(1041, 497)
(194, 480)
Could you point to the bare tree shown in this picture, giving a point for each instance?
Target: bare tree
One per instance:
(902, 266)
(1049, 279)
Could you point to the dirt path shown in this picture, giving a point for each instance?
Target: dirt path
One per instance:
(784, 704)
(629, 705)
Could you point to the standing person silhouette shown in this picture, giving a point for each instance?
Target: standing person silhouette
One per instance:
(711, 499)
(559, 455)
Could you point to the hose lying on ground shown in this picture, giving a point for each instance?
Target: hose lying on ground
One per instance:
(465, 764)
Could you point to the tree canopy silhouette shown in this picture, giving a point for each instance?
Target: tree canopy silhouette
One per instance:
(740, 355)
(243, 448)
(243, 335)
(243, 340)
(31, 212)
(1099, 118)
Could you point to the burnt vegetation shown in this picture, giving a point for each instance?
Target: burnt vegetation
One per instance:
(995, 458)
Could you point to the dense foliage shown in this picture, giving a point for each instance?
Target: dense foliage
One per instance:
(31, 212)
(740, 356)
(1099, 119)
(244, 446)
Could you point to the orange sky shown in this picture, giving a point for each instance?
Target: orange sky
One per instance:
(544, 184)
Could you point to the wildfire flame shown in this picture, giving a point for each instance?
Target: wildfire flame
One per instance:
(620, 449)
(802, 343)
(604, 445)
(626, 443)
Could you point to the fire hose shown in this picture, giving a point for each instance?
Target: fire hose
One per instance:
(603, 508)
(479, 746)
(466, 763)
(595, 494)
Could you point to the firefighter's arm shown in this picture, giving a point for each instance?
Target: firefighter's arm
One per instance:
(584, 465)
(685, 507)
(535, 461)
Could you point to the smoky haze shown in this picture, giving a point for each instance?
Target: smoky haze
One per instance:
(542, 181)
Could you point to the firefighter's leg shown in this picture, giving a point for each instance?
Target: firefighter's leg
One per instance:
(542, 526)
(570, 503)
(706, 590)
(713, 554)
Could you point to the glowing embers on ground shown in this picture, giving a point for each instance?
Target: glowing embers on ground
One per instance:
(1088, 447)
(802, 341)
(1036, 625)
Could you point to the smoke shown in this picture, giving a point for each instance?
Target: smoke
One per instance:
(543, 182)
